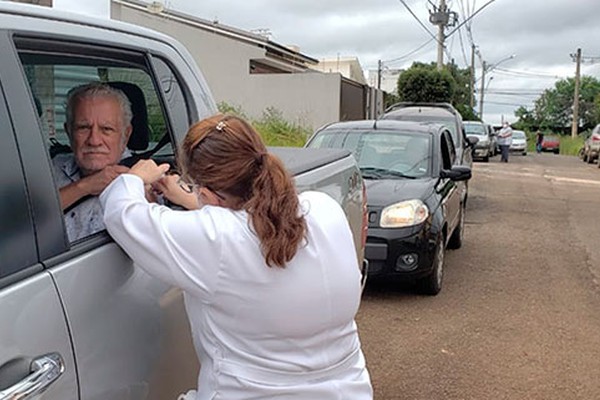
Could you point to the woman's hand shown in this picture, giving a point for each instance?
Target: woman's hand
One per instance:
(149, 171)
(169, 187)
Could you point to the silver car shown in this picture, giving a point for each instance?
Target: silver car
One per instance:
(79, 321)
(484, 148)
(519, 142)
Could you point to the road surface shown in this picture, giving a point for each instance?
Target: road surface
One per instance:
(519, 314)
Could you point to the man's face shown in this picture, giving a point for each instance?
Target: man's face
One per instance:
(98, 135)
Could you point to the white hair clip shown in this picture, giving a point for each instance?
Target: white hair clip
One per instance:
(220, 126)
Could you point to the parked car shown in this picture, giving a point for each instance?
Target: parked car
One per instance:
(551, 143)
(591, 146)
(411, 173)
(484, 149)
(519, 142)
(441, 113)
(79, 321)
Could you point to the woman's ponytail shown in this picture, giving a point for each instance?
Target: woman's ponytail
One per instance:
(275, 213)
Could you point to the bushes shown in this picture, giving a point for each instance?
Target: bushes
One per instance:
(272, 127)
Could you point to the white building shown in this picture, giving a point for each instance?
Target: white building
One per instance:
(389, 79)
(250, 71)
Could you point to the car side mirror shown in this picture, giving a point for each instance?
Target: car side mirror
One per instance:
(472, 141)
(456, 173)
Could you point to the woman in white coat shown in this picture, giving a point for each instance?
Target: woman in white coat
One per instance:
(270, 278)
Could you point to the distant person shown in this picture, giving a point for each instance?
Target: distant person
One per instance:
(98, 125)
(504, 141)
(270, 277)
(539, 138)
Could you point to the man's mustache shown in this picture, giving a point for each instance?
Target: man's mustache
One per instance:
(93, 150)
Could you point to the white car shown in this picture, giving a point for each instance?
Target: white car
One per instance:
(519, 142)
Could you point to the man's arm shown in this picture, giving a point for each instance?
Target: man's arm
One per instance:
(90, 185)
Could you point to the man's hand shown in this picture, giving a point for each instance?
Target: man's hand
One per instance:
(94, 184)
(89, 185)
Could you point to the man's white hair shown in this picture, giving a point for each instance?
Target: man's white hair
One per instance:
(97, 89)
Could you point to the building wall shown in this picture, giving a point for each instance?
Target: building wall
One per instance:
(309, 98)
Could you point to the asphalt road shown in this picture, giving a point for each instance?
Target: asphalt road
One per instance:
(519, 314)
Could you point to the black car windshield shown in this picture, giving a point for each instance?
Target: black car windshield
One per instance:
(382, 154)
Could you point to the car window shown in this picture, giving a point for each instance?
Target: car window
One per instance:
(475, 129)
(52, 69)
(447, 150)
(403, 152)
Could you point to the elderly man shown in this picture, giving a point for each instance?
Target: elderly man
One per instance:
(98, 125)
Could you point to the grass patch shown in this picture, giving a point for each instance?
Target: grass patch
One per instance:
(274, 129)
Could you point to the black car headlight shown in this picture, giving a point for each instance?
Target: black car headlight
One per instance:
(403, 214)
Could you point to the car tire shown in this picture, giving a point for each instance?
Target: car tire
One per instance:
(431, 284)
(486, 159)
(456, 240)
(557, 151)
(589, 159)
(524, 153)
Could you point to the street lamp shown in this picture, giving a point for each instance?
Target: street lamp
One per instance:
(485, 68)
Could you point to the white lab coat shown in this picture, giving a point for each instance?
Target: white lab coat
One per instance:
(259, 332)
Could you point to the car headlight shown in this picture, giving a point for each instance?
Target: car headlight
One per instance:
(403, 214)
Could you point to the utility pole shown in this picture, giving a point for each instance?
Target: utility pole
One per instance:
(472, 77)
(442, 17)
(441, 36)
(483, 68)
(379, 69)
(575, 126)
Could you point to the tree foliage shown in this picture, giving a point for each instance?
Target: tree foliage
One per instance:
(425, 83)
(554, 108)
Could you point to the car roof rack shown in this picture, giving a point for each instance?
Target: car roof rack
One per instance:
(404, 104)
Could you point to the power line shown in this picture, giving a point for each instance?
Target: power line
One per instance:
(418, 20)
(409, 53)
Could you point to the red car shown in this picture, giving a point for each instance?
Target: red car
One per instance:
(551, 143)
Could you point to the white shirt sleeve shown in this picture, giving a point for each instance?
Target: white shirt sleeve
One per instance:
(178, 247)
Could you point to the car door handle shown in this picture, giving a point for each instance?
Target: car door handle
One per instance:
(44, 371)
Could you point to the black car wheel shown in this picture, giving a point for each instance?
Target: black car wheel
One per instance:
(456, 240)
(432, 283)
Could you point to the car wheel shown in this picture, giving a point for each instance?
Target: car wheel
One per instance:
(557, 151)
(486, 158)
(456, 240)
(589, 159)
(432, 283)
(524, 153)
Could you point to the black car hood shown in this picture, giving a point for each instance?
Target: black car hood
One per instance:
(383, 192)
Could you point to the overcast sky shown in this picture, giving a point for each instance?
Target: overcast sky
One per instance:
(541, 33)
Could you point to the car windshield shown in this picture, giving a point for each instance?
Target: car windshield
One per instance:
(380, 153)
(475, 129)
(518, 135)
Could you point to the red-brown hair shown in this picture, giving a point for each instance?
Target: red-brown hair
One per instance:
(225, 154)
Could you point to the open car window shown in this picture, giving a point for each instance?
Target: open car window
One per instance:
(52, 69)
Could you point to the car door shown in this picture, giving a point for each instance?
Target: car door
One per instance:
(129, 333)
(36, 360)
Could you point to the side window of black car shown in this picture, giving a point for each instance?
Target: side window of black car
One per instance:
(52, 70)
(447, 150)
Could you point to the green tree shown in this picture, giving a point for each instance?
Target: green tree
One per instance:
(554, 108)
(425, 83)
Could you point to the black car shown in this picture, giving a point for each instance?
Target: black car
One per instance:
(439, 113)
(415, 207)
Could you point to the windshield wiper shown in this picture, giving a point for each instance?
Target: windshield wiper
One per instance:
(379, 173)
